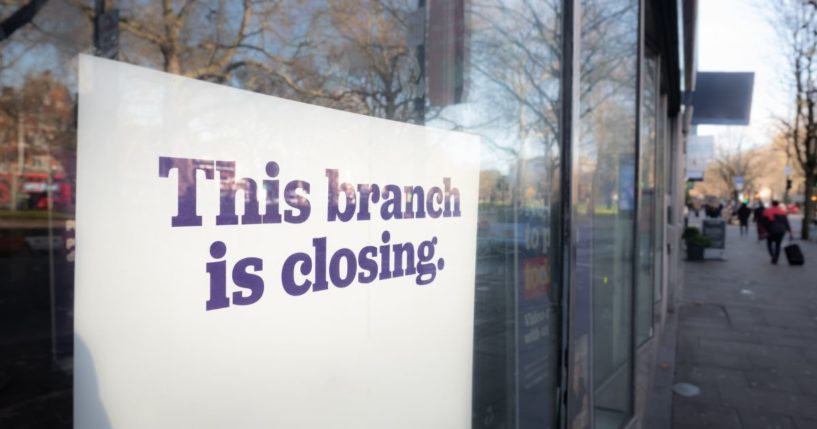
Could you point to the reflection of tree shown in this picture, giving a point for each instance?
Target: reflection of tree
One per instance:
(21, 15)
(37, 135)
(516, 48)
(350, 54)
(195, 38)
(605, 182)
(607, 95)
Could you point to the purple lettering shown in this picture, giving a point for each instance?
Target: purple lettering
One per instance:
(252, 282)
(435, 195)
(218, 278)
(297, 202)
(229, 186)
(392, 207)
(334, 189)
(320, 264)
(288, 274)
(334, 268)
(186, 169)
(449, 192)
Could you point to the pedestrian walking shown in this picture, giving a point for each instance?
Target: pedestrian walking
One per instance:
(744, 212)
(778, 225)
(760, 221)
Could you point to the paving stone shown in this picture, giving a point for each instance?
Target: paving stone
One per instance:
(810, 353)
(748, 328)
(728, 361)
(791, 340)
(709, 392)
(704, 315)
(791, 404)
(703, 374)
(805, 423)
(771, 379)
(695, 415)
(745, 316)
(789, 319)
(808, 385)
(789, 362)
(732, 347)
(754, 419)
(729, 334)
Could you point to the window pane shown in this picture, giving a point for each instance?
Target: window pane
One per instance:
(514, 104)
(647, 204)
(661, 206)
(605, 182)
(490, 68)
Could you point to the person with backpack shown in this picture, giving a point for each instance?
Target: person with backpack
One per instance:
(778, 225)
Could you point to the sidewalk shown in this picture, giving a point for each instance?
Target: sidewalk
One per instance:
(747, 337)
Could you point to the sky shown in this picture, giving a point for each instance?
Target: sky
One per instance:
(735, 35)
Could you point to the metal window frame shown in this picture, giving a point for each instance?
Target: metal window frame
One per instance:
(571, 53)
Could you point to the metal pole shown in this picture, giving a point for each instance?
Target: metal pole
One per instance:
(787, 173)
(20, 153)
(420, 98)
(51, 284)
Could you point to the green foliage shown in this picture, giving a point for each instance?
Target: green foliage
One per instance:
(699, 241)
(690, 231)
(693, 237)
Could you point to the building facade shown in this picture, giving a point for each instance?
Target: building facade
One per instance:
(578, 106)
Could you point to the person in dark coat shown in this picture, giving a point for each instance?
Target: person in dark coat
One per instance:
(744, 212)
(778, 225)
(760, 222)
(714, 211)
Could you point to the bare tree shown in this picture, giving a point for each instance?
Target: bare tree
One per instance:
(796, 21)
(358, 53)
(734, 160)
(20, 17)
(201, 39)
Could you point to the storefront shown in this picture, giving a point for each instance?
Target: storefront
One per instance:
(471, 211)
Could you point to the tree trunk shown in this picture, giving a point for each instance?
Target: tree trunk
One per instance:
(172, 63)
(808, 206)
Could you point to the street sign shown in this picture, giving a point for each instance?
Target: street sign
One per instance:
(700, 150)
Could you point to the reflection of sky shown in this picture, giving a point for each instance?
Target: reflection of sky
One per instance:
(508, 130)
(496, 83)
(734, 35)
(36, 60)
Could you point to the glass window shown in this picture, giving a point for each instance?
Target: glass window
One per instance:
(605, 210)
(513, 103)
(647, 203)
(489, 68)
(662, 208)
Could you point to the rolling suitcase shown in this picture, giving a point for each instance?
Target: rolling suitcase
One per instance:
(794, 255)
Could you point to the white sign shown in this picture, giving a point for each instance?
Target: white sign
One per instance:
(700, 150)
(739, 182)
(245, 261)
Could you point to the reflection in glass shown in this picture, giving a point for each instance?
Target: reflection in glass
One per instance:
(646, 203)
(513, 87)
(662, 178)
(606, 204)
(492, 68)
